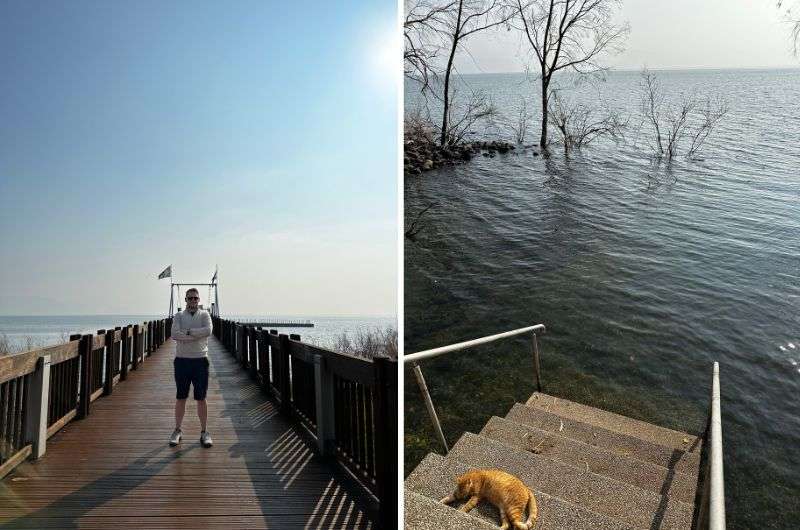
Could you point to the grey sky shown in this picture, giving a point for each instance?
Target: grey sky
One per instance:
(673, 34)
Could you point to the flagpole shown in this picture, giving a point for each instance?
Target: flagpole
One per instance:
(216, 289)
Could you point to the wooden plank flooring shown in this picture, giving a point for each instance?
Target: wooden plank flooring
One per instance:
(115, 470)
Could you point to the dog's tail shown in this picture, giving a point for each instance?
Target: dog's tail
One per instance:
(533, 510)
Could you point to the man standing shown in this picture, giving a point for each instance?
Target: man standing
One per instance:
(190, 329)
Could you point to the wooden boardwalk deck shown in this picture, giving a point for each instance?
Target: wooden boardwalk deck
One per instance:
(115, 470)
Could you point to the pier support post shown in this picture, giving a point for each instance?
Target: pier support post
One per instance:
(323, 380)
(38, 401)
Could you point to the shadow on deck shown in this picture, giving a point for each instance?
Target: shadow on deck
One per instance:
(116, 470)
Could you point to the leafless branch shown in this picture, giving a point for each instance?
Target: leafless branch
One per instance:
(791, 12)
(579, 124)
(568, 34)
(520, 126)
(693, 118)
(416, 227)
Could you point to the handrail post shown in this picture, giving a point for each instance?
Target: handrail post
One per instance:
(326, 434)
(38, 401)
(536, 366)
(429, 405)
(86, 375)
(716, 518)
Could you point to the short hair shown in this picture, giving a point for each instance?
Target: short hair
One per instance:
(192, 290)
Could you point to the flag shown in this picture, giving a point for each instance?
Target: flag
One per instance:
(214, 278)
(166, 273)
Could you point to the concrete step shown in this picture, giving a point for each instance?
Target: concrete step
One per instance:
(641, 474)
(635, 506)
(615, 422)
(424, 513)
(661, 455)
(435, 478)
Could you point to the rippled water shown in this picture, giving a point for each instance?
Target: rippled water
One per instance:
(644, 275)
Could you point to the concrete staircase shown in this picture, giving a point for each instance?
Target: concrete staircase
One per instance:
(589, 469)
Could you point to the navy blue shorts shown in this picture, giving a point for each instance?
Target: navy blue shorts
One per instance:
(189, 371)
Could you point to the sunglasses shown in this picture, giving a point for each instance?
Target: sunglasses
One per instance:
(193, 298)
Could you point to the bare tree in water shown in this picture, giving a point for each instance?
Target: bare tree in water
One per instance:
(792, 13)
(463, 19)
(579, 124)
(568, 35)
(421, 33)
(691, 120)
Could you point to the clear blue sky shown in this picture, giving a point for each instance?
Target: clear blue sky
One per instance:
(260, 136)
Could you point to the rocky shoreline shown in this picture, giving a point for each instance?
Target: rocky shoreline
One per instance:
(422, 155)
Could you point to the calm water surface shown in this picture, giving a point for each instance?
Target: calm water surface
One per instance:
(643, 274)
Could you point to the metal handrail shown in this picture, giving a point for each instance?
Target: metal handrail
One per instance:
(414, 359)
(716, 516)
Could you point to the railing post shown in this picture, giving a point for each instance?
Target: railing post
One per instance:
(237, 350)
(246, 332)
(124, 353)
(86, 375)
(108, 387)
(38, 401)
(716, 496)
(536, 367)
(137, 342)
(284, 383)
(426, 395)
(326, 433)
(386, 440)
(254, 333)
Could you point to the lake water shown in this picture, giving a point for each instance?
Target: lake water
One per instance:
(643, 273)
(46, 330)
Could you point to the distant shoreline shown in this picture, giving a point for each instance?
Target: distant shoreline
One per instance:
(662, 69)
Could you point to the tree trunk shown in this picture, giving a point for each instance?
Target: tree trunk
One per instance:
(446, 105)
(543, 138)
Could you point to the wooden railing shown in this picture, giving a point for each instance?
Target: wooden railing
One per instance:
(43, 390)
(347, 404)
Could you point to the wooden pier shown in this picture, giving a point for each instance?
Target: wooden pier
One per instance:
(276, 463)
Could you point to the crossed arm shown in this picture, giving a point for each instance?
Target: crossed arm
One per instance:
(188, 335)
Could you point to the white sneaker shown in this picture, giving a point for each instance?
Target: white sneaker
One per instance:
(175, 439)
(205, 439)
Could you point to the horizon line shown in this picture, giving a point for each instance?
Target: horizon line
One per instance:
(329, 315)
(662, 68)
